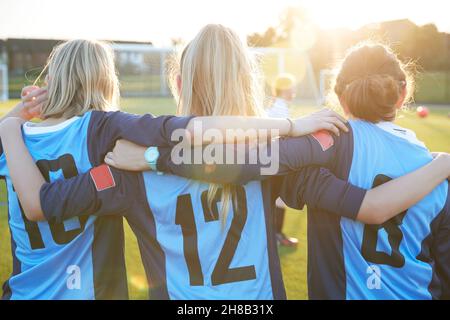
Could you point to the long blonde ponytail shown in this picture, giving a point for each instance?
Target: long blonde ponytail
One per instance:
(219, 76)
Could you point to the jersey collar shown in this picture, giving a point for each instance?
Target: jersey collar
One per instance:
(30, 128)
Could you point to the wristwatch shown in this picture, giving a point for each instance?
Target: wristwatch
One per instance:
(151, 156)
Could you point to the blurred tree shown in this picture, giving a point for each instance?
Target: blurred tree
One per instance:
(266, 39)
(423, 44)
(280, 36)
(429, 46)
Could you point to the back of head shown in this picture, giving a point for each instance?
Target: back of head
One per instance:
(283, 83)
(371, 83)
(219, 75)
(81, 77)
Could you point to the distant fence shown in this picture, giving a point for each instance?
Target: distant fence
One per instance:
(142, 73)
(142, 69)
(4, 91)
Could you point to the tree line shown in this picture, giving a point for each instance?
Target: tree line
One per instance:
(425, 45)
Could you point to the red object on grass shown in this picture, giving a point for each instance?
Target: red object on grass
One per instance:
(423, 112)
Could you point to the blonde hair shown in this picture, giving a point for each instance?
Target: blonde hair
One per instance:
(371, 81)
(219, 76)
(82, 77)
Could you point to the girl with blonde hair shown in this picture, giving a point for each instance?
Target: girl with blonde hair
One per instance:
(188, 251)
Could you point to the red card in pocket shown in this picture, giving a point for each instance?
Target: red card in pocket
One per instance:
(103, 178)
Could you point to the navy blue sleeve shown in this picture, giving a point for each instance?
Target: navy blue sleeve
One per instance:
(108, 127)
(211, 173)
(286, 154)
(296, 153)
(82, 195)
(441, 251)
(319, 188)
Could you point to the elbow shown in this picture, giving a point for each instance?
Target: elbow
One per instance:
(384, 216)
(33, 213)
(372, 215)
(375, 220)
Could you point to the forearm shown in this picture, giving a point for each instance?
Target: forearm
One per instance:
(388, 200)
(236, 163)
(14, 112)
(242, 162)
(262, 127)
(25, 175)
(225, 125)
(212, 173)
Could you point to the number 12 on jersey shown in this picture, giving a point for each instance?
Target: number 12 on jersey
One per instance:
(185, 218)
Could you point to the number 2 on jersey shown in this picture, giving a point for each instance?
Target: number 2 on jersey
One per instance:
(395, 236)
(222, 273)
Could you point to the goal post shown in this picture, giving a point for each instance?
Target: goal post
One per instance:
(326, 79)
(142, 70)
(4, 82)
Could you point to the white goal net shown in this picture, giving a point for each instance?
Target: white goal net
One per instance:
(142, 70)
(3, 82)
(326, 83)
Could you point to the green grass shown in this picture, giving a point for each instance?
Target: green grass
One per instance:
(434, 131)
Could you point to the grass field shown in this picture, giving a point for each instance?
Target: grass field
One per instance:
(434, 131)
(431, 87)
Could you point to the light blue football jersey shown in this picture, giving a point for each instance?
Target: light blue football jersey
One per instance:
(205, 258)
(55, 260)
(187, 251)
(388, 262)
(82, 257)
(404, 258)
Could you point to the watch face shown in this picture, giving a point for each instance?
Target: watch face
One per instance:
(152, 155)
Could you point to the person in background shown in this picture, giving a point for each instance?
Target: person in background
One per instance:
(283, 90)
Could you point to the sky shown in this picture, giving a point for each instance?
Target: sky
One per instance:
(159, 21)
